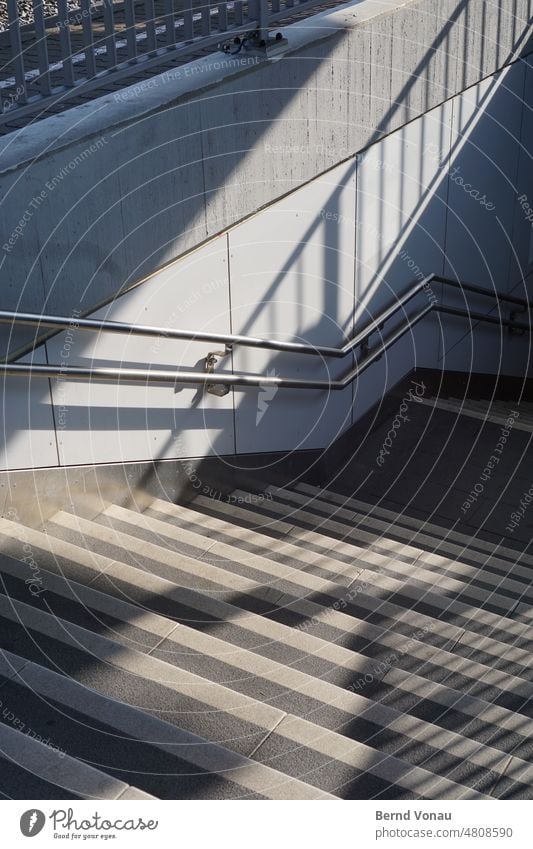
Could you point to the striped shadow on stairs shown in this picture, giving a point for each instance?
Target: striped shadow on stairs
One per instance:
(296, 649)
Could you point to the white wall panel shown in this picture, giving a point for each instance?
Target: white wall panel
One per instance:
(98, 422)
(401, 209)
(485, 149)
(292, 277)
(401, 218)
(522, 257)
(330, 254)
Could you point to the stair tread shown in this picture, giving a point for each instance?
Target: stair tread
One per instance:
(290, 684)
(486, 411)
(132, 740)
(485, 622)
(220, 712)
(450, 575)
(489, 568)
(226, 579)
(47, 762)
(267, 651)
(474, 705)
(140, 523)
(434, 531)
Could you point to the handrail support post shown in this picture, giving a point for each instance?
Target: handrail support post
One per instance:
(517, 331)
(263, 21)
(218, 389)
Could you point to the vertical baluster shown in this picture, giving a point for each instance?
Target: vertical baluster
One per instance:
(206, 17)
(42, 47)
(149, 11)
(170, 30)
(275, 5)
(289, 3)
(222, 17)
(16, 51)
(264, 15)
(237, 13)
(131, 35)
(109, 40)
(64, 41)
(187, 20)
(88, 43)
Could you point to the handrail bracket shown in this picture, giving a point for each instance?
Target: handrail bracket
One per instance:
(517, 331)
(212, 358)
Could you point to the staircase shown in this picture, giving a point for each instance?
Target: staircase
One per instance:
(296, 645)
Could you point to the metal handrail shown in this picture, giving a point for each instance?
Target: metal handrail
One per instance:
(55, 322)
(210, 378)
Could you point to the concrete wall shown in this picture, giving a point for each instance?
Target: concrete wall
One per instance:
(110, 191)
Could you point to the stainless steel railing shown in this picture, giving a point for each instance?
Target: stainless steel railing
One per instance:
(219, 384)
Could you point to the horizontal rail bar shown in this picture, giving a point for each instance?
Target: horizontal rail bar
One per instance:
(479, 290)
(125, 375)
(479, 316)
(122, 375)
(375, 355)
(64, 323)
(387, 313)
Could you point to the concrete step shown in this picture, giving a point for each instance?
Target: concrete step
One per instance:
(133, 741)
(221, 606)
(151, 529)
(32, 767)
(405, 690)
(284, 586)
(485, 576)
(434, 553)
(462, 580)
(393, 564)
(441, 751)
(495, 412)
(411, 593)
(423, 533)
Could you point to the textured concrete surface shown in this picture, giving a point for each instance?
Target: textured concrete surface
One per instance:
(367, 688)
(349, 78)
